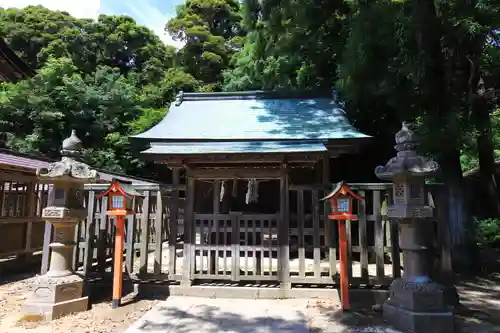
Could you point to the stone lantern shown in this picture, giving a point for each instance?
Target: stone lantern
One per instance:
(59, 291)
(416, 303)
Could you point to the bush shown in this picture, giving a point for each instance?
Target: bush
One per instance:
(487, 233)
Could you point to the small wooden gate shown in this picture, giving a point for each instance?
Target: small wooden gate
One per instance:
(236, 247)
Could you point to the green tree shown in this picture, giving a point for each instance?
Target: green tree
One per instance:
(212, 32)
(107, 79)
(31, 29)
(104, 107)
(38, 34)
(393, 60)
(290, 44)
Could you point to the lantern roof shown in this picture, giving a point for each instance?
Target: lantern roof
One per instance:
(124, 188)
(69, 168)
(342, 188)
(406, 161)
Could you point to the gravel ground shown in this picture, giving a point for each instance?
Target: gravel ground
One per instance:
(100, 319)
(480, 313)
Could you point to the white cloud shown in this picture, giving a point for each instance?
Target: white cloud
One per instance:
(156, 22)
(77, 8)
(146, 14)
(141, 10)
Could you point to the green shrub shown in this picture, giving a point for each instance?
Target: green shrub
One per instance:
(487, 232)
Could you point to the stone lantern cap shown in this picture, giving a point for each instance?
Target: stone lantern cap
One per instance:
(69, 168)
(407, 161)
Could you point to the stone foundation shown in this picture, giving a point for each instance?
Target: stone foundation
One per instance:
(418, 322)
(56, 297)
(51, 311)
(418, 307)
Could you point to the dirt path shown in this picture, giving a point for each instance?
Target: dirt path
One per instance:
(480, 311)
(100, 319)
(480, 304)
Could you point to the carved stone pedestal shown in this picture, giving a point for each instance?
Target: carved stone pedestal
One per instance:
(418, 307)
(56, 297)
(59, 292)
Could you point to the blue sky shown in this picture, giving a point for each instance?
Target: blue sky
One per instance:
(151, 13)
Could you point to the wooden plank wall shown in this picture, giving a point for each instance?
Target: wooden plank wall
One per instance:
(241, 247)
(146, 232)
(372, 240)
(244, 247)
(20, 210)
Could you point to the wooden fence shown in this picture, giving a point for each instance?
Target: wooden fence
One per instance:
(146, 231)
(21, 204)
(244, 247)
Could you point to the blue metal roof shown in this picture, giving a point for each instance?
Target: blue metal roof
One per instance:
(187, 148)
(251, 116)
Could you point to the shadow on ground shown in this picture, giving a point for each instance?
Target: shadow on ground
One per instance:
(479, 309)
(18, 269)
(209, 319)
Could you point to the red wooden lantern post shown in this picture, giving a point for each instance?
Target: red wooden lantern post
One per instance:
(341, 200)
(120, 203)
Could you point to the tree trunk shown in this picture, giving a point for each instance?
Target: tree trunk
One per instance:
(487, 167)
(490, 205)
(436, 101)
(457, 211)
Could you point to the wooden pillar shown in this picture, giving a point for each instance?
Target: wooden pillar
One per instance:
(89, 234)
(30, 212)
(47, 239)
(330, 227)
(130, 238)
(173, 223)
(158, 232)
(189, 238)
(284, 232)
(214, 256)
(344, 266)
(235, 245)
(102, 241)
(144, 246)
(118, 262)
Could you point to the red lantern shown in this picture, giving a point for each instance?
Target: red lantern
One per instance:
(341, 199)
(120, 198)
(120, 203)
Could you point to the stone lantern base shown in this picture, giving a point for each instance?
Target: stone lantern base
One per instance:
(418, 307)
(55, 297)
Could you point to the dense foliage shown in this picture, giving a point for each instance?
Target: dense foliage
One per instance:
(433, 62)
(107, 79)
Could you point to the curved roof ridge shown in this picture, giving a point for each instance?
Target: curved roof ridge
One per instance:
(15, 68)
(222, 116)
(249, 94)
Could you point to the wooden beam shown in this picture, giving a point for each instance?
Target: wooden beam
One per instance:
(253, 158)
(19, 177)
(284, 232)
(47, 239)
(144, 247)
(232, 173)
(173, 223)
(189, 238)
(20, 219)
(226, 166)
(241, 158)
(31, 213)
